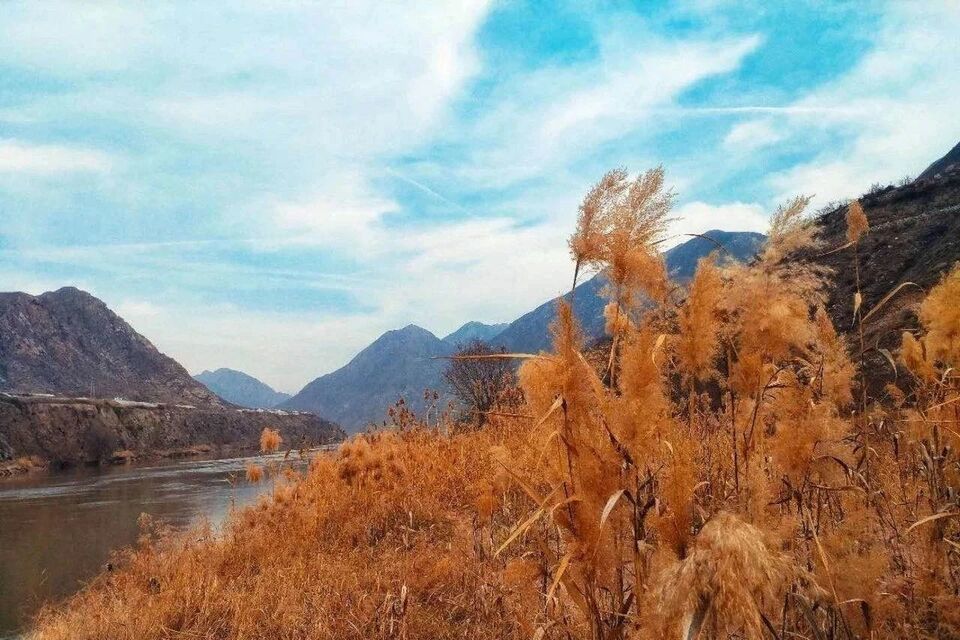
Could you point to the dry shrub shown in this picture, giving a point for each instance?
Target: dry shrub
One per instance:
(716, 476)
(254, 473)
(270, 440)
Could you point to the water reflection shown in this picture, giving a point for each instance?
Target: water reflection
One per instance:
(57, 530)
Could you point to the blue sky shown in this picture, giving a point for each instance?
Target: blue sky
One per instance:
(270, 185)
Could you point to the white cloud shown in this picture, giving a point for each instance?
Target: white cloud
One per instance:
(698, 217)
(347, 215)
(43, 159)
(892, 114)
(752, 135)
(544, 120)
(135, 311)
(69, 38)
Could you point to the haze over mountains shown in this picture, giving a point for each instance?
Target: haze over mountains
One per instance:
(241, 389)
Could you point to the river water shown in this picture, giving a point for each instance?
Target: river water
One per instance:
(57, 530)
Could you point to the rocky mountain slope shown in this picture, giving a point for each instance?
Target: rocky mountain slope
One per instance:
(914, 237)
(474, 330)
(530, 332)
(83, 430)
(946, 164)
(77, 382)
(400, 363)
(69, 342)
(241, 389)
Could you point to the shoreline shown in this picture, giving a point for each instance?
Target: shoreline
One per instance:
(30, 465)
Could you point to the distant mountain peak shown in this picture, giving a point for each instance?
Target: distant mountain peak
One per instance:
(241, 388)
(400, 363)
(474, 330)
(413, 329)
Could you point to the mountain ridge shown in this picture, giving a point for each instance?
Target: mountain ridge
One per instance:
(241, 388)
(474, 330)
(68, 341)
(405, 362)
(401, 363)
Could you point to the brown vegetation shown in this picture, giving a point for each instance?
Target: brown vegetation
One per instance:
(480, 380)
(270, 440)
(722, 475)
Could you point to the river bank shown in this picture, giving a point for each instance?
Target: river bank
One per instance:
(61, 527)
(55, 432)
(34, 464)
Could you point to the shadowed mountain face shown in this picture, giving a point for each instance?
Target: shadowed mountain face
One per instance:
(241, 389)
(475, 331)
(68, 342)
(398, 364)
(530, 332)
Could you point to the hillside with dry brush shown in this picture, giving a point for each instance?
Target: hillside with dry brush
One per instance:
(720, 473)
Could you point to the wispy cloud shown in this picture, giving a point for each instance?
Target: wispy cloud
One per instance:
(322, 172)
(891, 114)
(45, 159)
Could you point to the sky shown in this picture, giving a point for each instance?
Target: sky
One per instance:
(269, 186)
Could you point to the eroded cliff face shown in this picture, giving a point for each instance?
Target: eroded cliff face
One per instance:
(80, 430)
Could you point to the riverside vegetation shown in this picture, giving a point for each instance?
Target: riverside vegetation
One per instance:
(724, 470)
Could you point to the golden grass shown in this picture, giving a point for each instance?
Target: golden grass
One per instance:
(376, 542)
(719, 474)
(254, 473)
(270, 440)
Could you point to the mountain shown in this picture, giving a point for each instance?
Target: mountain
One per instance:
(475, 331)
(943, 165)
(530, 332)
(914, 237)
(69, 342)
(241, 389)
(399, 363)
(402, 363)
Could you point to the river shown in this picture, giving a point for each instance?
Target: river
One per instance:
(57, 530)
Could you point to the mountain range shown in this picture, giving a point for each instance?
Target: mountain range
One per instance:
(68, 342)
(241, 389)
(406, 362)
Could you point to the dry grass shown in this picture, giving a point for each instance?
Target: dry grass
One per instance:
(254, 473)
(721, 474)
(270, 440)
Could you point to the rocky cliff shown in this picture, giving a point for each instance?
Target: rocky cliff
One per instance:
(82, 430)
